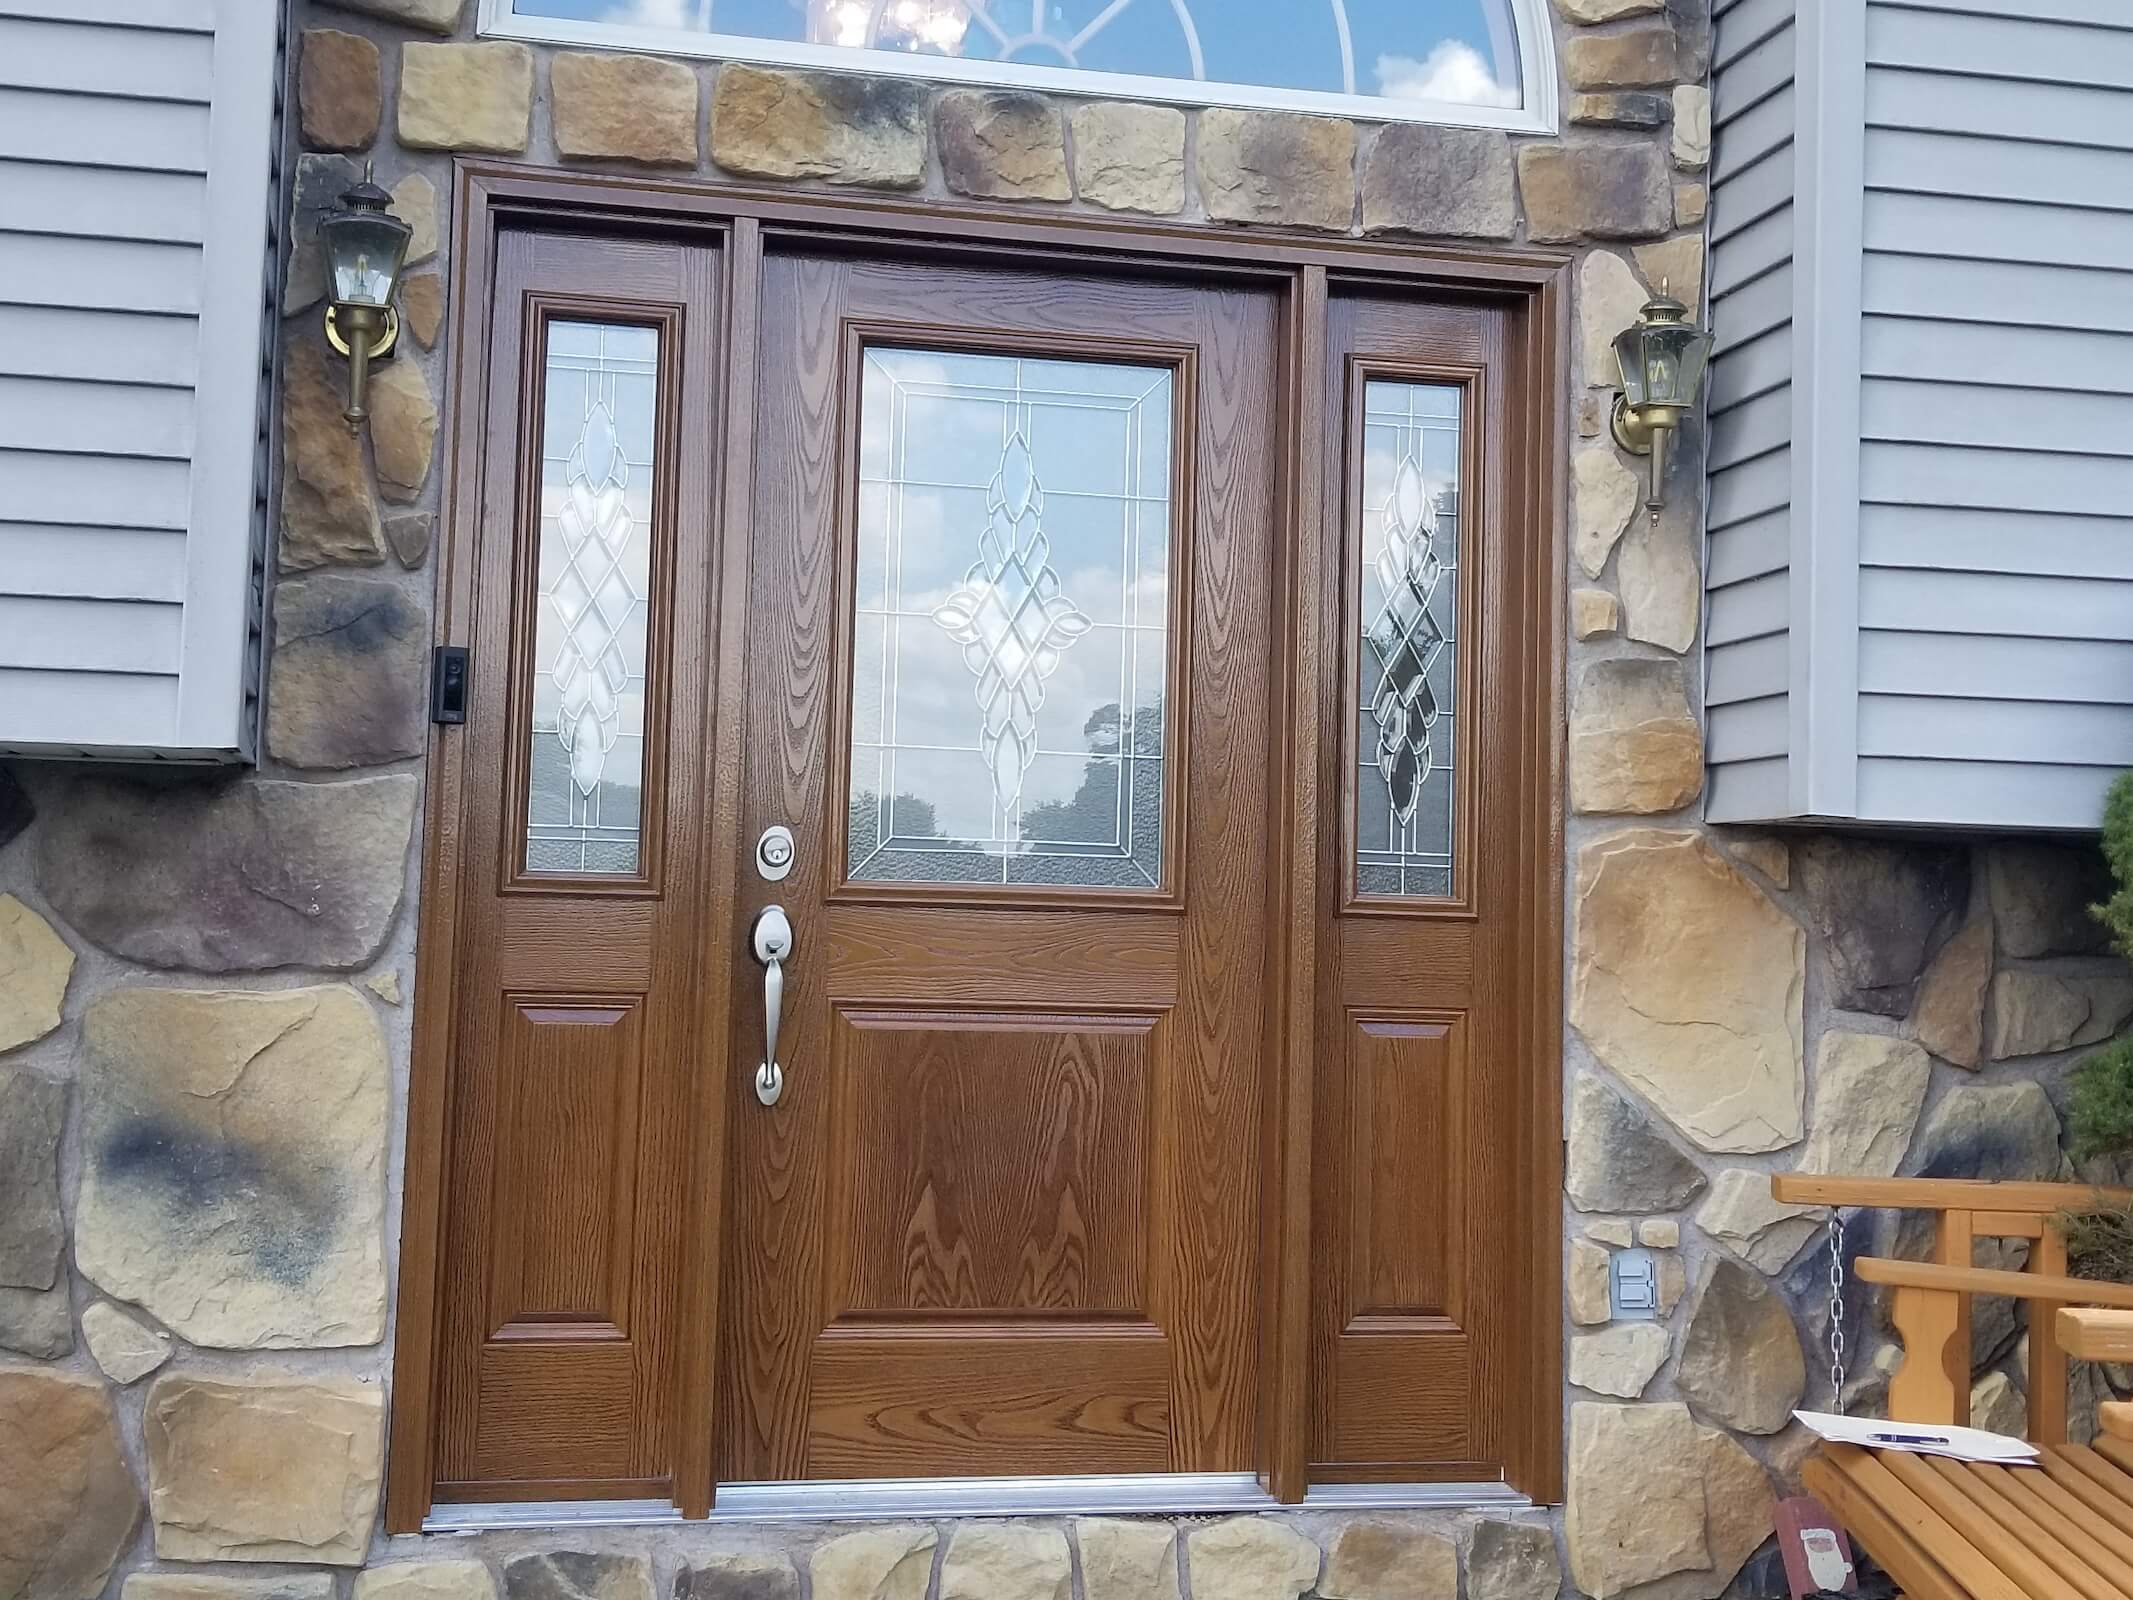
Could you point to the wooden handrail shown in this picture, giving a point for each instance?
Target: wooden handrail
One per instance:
(1939, 1194)
(2096, 1335)
(1987, 1280)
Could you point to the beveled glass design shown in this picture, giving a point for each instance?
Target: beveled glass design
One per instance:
(599, 410)
(1408, 545)
(1011, 621)
(1449, 60)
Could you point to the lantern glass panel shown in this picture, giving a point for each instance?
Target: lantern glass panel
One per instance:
(1629, 356)
(364, 252)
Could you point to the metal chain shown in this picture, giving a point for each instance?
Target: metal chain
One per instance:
(1836, 1308)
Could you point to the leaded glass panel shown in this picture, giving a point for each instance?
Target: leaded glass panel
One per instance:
(599, 410)
(1408, 709)
(1011, 621)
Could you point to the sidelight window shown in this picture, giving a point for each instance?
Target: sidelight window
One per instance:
(1408, 656)
(584, 804)
(1484, 63)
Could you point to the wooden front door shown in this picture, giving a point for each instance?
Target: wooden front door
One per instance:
(1109, 709)
(1008, 644)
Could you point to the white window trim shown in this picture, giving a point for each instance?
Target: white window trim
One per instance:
(1535, 39)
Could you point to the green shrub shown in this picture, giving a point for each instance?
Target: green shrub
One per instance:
(2099, 1241)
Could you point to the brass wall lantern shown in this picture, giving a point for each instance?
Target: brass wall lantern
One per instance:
(1662, 360)
(365, 246)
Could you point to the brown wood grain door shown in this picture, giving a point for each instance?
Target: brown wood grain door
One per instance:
(1008, 644)
(1428, 1297)
(577, 966)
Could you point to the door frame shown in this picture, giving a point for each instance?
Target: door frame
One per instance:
(1531, 284)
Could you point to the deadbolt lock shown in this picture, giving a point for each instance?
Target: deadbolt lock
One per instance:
(774, 852)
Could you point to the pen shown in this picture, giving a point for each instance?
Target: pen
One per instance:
(1908, 1438)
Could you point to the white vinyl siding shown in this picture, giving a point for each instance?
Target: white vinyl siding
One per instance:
(1968, 569)
(137, 174)
(1748, 560)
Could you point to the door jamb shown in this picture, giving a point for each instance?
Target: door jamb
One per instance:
(1306, 268)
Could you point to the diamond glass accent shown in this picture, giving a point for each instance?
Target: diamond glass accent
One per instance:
(1011, 621)
(598, 422)
(1409, 548)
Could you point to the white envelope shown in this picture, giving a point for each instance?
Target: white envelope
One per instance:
(1918, 1438)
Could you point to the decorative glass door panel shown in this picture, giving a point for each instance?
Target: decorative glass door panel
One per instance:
(584, 805)
(1408, 550)
(1011, 621)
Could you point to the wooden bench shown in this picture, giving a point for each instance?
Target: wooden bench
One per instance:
(1948, 1530)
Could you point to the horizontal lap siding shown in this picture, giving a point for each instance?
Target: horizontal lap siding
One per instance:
(1996, 397)
(112, 431)
(1747, 663)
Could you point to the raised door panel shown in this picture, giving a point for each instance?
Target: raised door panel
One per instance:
(992, 1166)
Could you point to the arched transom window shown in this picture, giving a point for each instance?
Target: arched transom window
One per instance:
(1477, 62)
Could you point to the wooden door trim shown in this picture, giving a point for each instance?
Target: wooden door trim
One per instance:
(1533, 283)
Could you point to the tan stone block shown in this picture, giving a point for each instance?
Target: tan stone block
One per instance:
(737, 1575)
(35, 964)
(1586, 1284)
(1594, 613)
(264, 1468)
(1619, 1361)
(892, 1563)
(864, 130)
(623, 107)
(1739, 1512)
(285, 1090)
(1123, 1560)
(68, 1504)
(1275, 166)
(1640, 57)
(1662, 587)
(1688, 981)
(1610, 299)
(1771, 857)
(1640, 109)
(1673, 1281)
(339, 89)
(385, 985)
(466, 96)
(1676, 267)
(1742, 1216)
(422, 307)
(1606, 10)
(1635, 1505)
(425, 1580)
(1659, 1233)
(1950, 1011)
(1596, 191)
(988, 1561)
(1513, 1561)
(1692, 203)
(578, 1575)
(1250, 1558)
(1002, 145)
(415, 203)
(1447, 182)
(409, 535)
(1129, 157)
(1373, 1560)
(438, 16)
(1692, 127)
(1615, 1160)
(215, 1586)
(124, 1346)
(1614, 1231)
(1741, 1362)
(329, 512)
(1998, 1405)
(403, 428)
(1635, 747)
(1604, 495)
(1869, 1089)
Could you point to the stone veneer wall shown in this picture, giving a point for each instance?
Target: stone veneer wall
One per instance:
(201, 977)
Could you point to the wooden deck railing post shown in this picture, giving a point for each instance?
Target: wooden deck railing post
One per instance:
(1955, 1245)
(1933, 1384)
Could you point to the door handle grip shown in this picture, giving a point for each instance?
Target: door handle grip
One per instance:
(773, 944)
